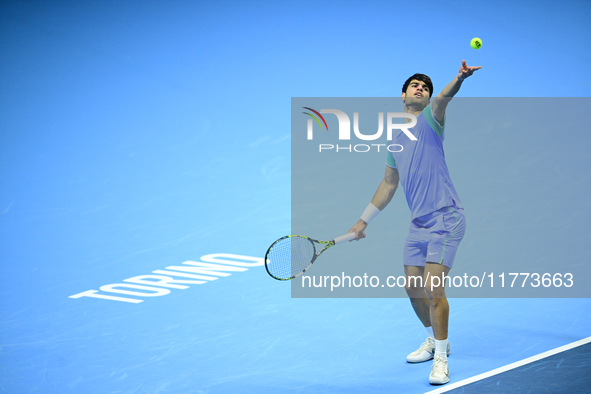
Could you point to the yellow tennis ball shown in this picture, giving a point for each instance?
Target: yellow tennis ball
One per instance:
(476, 43)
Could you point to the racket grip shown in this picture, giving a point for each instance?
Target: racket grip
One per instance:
(344, 238)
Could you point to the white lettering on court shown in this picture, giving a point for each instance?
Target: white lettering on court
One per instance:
(176, 277)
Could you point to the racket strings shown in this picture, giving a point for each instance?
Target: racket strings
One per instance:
(290, 256)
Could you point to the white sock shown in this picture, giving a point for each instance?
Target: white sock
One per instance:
(430, 332)
(441, 349)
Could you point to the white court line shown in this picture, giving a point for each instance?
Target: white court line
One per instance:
(510, 366)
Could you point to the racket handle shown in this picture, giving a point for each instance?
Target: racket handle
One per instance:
(344, 238)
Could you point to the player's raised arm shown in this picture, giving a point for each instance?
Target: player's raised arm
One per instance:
(380, 200)
(440, 102)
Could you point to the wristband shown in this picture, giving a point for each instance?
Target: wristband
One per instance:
(370, 213)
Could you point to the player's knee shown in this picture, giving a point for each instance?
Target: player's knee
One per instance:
(414, 289)
(435, 294)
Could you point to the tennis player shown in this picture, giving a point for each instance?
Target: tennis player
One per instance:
(437, 216)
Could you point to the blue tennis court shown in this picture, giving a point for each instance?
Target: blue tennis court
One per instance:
(146, 166)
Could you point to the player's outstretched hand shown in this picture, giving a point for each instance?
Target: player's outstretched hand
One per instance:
(466, 71)
(358, 229)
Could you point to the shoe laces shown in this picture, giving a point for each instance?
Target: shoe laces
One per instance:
(429, 343)
(440, 365)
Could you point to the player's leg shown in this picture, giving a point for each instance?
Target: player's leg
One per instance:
(439, 307)
(446, 235)
(415, 290)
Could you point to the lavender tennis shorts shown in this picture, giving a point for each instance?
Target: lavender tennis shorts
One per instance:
(435, 237)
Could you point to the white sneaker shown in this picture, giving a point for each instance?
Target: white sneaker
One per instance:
(425, 352)
(440, 372)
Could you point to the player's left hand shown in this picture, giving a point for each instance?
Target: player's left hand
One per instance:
(466, 71)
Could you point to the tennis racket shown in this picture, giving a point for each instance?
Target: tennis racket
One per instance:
(291, 256)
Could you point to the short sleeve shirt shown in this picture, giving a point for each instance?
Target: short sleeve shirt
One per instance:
(424, 175)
